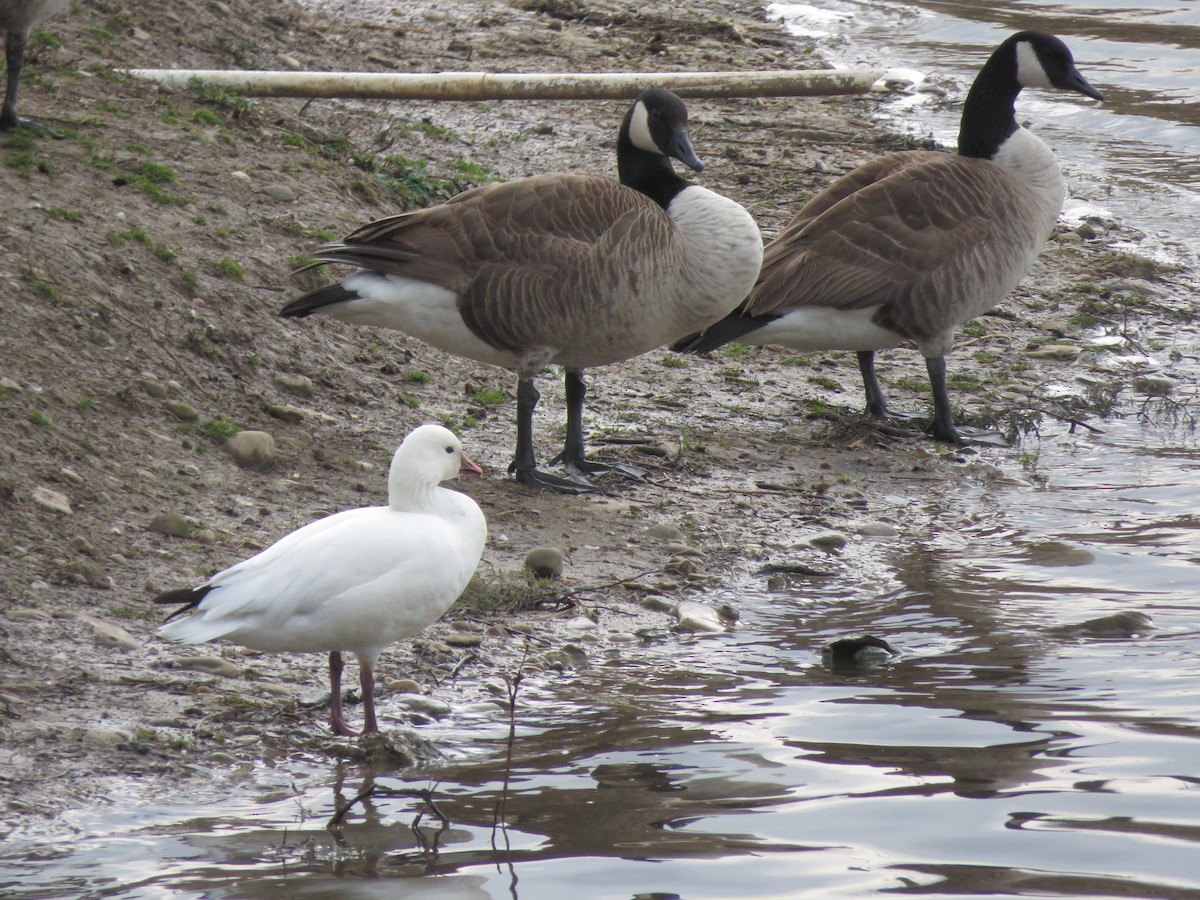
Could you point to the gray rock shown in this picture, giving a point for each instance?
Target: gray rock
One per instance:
(668, 534)
(402, 686)
(1154, 385)
(210, 665)
(658, 603)
(545, 562)
(419, 703)
(290, 62)
(829, 541)
(170, 524)
(876, 529)
(695, 616)
(153, 387)
(80, 544)
(104, 737)
(87, 572)
(9, 385)
(581, 623)
(464, 639)
(182, 411)
(280, 192)
(54, 500)
(252, 449)
(205, 536)
(680, 565)
(296, 384)
(110, 635)
(285, 413)
(1054, 352)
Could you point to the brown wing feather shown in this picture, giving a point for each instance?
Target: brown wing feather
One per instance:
(883, 235)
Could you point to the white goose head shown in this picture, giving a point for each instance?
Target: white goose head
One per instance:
(429, 455)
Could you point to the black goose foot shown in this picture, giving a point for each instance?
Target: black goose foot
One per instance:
(965, 435)
(544, 481)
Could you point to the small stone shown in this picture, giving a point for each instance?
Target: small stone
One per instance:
(210, 665)
(104, 737)
(54, 500)
(695, 616)
(297, 384)
(110, 635)
(419, 703)
(666, 533)
(170, 524)
(280, 192)
(222, 7)
(876, 529)
(154, 387)
(290, 62)
(830, 541)
(658, 603)
(89, 573)
(403, 686)
(205, 536)
(182, 411)
(71, 475)
(285, 413)
(680, 565)
(240, 176)
(464, 639)
(252, 449)
(8, 384)
(624, 637)
(1154, 385)
(581, 623)
(545, 562)
(82, 545)
(1061, 352)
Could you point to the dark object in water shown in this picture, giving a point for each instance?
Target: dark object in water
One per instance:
(857, 651)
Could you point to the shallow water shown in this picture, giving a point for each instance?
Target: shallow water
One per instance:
(1003, 752)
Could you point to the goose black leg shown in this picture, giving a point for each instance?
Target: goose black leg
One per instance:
(14, 56)
(574, 453)
(877, 408)
(524, 464)
(366, 682)
(943, 428)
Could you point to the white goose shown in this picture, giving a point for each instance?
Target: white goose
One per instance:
(354, 581)
(915, 243)
(575, 270)
(17, 19)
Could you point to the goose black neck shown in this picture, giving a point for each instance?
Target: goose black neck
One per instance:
(649, 173)
(988, 118)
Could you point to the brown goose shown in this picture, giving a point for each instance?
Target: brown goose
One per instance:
(913, 244)
(574, 270)
(17, 19)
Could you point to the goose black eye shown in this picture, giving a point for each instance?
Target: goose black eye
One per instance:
(655, 114)
(449, 449)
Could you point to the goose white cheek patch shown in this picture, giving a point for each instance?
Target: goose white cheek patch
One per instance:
(639, 129)
(1030, 72)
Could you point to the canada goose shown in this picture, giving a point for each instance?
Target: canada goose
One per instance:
(354, 581)
(913, 244)
(576, 270)
(18, 18)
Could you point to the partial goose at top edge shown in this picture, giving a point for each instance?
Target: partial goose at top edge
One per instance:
(915, 243)
(354, 581)
(573, 270)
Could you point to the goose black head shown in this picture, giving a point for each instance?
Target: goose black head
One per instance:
(657, 124)
(1044, 61)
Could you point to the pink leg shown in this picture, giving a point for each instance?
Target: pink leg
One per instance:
(366, 679)
(336, 719)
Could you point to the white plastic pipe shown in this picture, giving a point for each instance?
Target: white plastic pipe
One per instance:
(519, 86)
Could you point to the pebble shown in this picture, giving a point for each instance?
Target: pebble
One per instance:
(9, 385)
(170, 524)
(680, 565)
(419, 703)
(285, 413)
(80, 544)
(666, 533)
(296, 384)
(89, 573)
(290, 62)
(581, 623)
(154, 387)
(876, 529)
(1154, 385)
(403, 686)
(1055, 352)
(104, 737)
(238, 175)
(280, 192)
(53, 500)
(182, 411)
(110, 635)
(623, 637)
(464, 639)
(210, 665)
(252, 449)
(545, 562)
(205, 536)
(658, 603)
(829, 541)
(695, 616)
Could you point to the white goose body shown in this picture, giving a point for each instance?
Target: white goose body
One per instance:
(575, 270)
(909, 246)
(354, 581)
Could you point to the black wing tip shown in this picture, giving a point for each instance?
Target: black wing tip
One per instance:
(307, 304)
(189, 597)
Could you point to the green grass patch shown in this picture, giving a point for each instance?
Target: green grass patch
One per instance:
(490, 396)
(229, 267)
(40, 419)
(219, 429)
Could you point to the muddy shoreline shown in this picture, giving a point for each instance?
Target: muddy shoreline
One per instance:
(143, 258)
